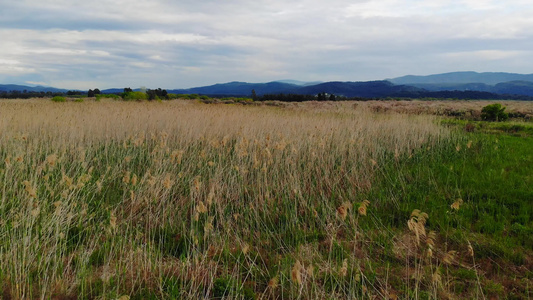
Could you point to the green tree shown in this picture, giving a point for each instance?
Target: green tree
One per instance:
(494, 112)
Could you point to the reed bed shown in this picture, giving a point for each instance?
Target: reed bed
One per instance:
(467, 109)
(180, 199)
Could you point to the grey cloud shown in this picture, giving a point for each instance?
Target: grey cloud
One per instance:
(187, 43)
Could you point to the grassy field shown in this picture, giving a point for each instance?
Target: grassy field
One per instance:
(185, 200)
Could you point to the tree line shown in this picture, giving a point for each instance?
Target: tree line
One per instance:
(28, 94)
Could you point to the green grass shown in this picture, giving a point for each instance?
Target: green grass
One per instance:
(515, 128)
(493, 175)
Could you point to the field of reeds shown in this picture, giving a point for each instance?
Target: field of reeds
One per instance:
(185, 200)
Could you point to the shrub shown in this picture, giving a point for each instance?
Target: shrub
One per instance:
(59, 99)
(134, 96)
(494, 112)
(109, 96)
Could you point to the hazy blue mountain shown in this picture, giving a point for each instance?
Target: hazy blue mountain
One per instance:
(369, 89)
(508, 88)
(300, 83)
(514, 88)
(449, 85)
(348, 89)
(454, 86)
(112, 91)
(20, 88)
(237, 88)
(489, 78)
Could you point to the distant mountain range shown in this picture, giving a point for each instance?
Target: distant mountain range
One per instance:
(237, 88)
(489, 78)
(462, 85)
(20, 88)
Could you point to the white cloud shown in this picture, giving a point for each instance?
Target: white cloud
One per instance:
(487, 55)
(187, 43)
(37, 83)
(13, 67)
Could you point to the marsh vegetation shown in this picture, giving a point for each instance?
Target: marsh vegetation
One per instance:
(185, 200)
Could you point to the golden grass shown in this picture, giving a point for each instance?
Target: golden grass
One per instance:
(466, 108)
(91, 191)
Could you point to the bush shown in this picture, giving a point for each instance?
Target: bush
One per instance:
(109, 96)
(494, 112)
(172, 96)
(59, 99)
(134, 96)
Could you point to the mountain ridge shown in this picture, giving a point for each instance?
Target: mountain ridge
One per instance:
(453, 84)
(489, 78)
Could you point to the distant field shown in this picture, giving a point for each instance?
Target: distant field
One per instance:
(317, 200)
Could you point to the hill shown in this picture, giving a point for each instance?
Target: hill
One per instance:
(237, 88)
(489, 78)
(366, 89)
(21, 88)
(461, 85)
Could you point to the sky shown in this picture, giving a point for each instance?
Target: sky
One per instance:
(102, 44)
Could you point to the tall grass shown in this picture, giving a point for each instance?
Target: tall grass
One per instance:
(186, 200)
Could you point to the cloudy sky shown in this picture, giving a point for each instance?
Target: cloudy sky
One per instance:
(178, 44)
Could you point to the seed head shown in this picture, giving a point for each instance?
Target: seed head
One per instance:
(67, 180)
(35, 212)
(51, 160)
(457, 204)
(126, 178)
(416, 224)
(344, 269)
(296, 273)
(208, 227)
(245, 248)
(211, 196)
(197, 183)
(134, 180)
(30, 189)
(167, 183)
(342, 212)
(113, 221)
(449, 257)
(201, 208)
(362, 207)
(470, 250)
(176, 156)
(273, 283)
